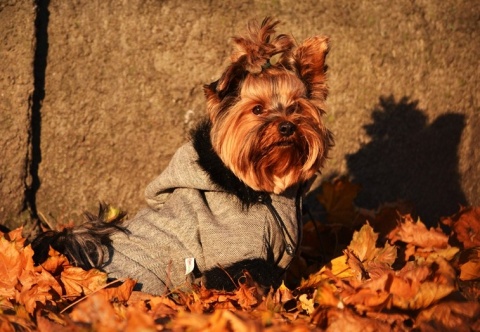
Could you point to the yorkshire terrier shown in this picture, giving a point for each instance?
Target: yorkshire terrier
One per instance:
(230, 199)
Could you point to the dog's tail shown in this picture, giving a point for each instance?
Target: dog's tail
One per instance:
(83, 245)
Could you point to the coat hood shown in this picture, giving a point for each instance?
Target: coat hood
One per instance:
(182, 172)
(196, 166)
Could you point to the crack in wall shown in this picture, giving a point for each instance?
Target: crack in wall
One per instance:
(39, 70)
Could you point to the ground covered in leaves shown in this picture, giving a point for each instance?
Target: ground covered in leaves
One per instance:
(360, 270)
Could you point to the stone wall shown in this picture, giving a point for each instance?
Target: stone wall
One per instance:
(98, 97)
(17, 35)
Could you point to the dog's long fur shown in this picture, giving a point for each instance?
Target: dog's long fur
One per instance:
(264, 134)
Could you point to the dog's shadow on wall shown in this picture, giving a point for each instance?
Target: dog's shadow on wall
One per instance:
(411, 159)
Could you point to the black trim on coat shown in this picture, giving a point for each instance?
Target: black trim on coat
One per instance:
(219, 174)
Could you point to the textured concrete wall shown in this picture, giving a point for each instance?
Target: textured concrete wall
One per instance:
(123, 84)
(17, 39)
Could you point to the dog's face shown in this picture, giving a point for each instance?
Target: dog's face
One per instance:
(267, 118)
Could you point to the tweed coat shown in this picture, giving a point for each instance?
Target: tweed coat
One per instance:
(203, 223)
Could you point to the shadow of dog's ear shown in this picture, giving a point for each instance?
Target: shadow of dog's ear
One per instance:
(308, 61)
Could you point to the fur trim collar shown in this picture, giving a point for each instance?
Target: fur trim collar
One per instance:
(219, 174)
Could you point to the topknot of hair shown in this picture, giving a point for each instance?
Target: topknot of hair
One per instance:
(258, 46)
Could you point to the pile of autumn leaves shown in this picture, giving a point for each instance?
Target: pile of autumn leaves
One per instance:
(394, 274)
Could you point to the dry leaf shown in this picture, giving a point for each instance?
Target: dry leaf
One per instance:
(55, 263)
(15, 323)
(247, 296)
(37, 287)
(337, 198)
(355, 265)
(45, 324)
(333, 319)
(325, 296)
(283, 294)
(385, 218)
(450, 316)
(10, 267)
(339, 268)
(306, 303)
(364, 242)
(120, 293)
(417, 234)
(366, 299)
(469, 264)
(466, 226)
(420, 286)
(97, 312)
(161, 306)
(80, 282)
(138, 320)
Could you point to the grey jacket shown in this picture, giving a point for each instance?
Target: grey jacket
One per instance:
(191, 219)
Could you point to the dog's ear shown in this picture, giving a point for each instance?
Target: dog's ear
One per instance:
(228, 85)
(308, 60)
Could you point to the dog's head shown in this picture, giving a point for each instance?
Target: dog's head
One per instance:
(266, 115)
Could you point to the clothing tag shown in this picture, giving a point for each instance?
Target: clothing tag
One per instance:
(189, 265)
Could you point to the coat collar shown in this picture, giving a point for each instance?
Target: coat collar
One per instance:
(219, 174)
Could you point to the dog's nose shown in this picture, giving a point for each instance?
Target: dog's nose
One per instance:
(286, 128)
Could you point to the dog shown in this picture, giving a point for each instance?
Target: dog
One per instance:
(230, 199)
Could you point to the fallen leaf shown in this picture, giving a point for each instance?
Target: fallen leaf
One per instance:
(138, 320)
(385, 218)
(77, 281)
(16, 237)
(363, 243)
(55, 263)
(447, 253)
(52, 321)
(325, 296)
(465, 226)
(339, 267)
(161, 306)
(37, 287)
(283, 294)
(469, 264)
(15, 323)
(337, 198)
(333, 319)
(355, 265)
(419, 287)
(10, 267)
(247, 296)
(450, 316)
(417, 234)
(98, 313)
(306, 303)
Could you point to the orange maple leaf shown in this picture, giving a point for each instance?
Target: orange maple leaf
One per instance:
(418, 286)
(10, 267)
(247, 293)
(55, 262)
(370, 258)
(120, 293)
(77, 281)
(417, 234)
(35, 283)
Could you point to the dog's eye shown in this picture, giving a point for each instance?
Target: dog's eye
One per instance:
(257, 109)
(293, 108)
